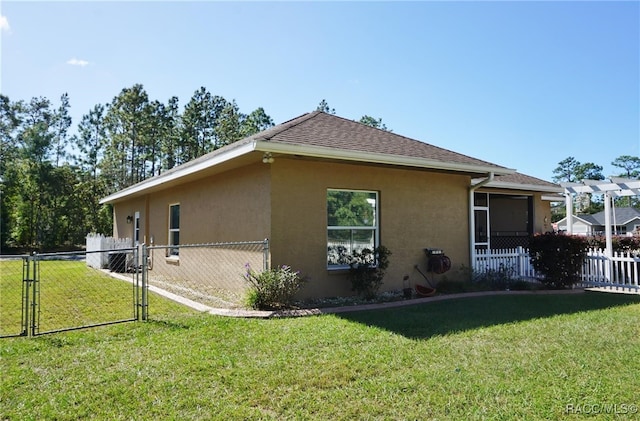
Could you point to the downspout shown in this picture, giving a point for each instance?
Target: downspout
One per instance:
(472, 222)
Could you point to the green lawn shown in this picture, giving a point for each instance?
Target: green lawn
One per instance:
(500, 357)
(71, 295)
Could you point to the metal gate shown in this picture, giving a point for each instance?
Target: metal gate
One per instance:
(60, 292)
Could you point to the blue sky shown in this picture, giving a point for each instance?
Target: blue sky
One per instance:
(520, 84)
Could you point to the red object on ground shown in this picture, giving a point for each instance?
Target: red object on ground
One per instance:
(425, 291)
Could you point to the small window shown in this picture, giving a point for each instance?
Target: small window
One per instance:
(352, 224)
(174, 229)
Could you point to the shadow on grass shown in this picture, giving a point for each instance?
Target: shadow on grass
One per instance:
(456, 315)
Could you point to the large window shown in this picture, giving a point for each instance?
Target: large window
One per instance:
(174, 229)
(352, 224)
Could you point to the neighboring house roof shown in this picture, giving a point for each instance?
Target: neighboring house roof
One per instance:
(622, 216)
(519, 181)
(327, 136)
(584, 218)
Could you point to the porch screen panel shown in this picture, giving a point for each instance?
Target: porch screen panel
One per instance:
(481, 226)
(352, 224)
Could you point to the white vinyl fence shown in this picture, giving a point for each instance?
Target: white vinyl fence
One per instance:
(98, 242)
(514, 261)
(620, 272)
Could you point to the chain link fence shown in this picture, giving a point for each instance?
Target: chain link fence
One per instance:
(210, 275)
(70, 294)
(46, 293)
(12, 272)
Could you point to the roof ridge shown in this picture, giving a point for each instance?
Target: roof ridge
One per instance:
(268, 134)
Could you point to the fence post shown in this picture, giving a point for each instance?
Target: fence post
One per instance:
(265, 254)
(144, 266)
(35, 295)
(26, 285)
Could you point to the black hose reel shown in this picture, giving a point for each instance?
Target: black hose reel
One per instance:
(437, 261)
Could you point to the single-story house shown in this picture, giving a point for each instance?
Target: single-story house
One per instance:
(320, 186)
(625, 221)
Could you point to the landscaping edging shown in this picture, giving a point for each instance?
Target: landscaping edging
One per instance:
(375, 306)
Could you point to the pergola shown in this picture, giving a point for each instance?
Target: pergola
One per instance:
(611, 188)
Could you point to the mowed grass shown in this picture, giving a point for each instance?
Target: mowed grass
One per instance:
(70, 295)
(498, 357)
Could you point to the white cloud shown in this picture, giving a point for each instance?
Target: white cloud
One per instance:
(4, 24)
(77, 62)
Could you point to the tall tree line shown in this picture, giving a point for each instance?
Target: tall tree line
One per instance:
(51, 181)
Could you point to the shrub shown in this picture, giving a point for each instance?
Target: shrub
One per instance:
(366, 270)
(619, 243)
(272, 289)
(558, 257)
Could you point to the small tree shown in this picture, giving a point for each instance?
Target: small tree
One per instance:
(367, 269)
(558, 257)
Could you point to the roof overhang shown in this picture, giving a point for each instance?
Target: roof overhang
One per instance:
(527, 187)
(377, 158)
(553, 197)
(235, 151)
(180, 172)
(629, 220)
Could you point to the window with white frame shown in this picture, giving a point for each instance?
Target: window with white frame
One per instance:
(174, 229)
(352, 224)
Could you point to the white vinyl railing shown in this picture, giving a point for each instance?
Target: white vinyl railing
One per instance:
(620, 272)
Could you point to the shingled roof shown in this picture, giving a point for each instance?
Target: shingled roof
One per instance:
(320, 135)
(622, 216)
(519, 181)
(322, 130)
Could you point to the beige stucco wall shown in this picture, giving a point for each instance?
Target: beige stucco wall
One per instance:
(541, 214)
(418, 209)
(122, 229)
(286, 202)
(232, 206)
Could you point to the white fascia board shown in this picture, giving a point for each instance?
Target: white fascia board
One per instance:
(303, 150)
(375, 158)
(553, 198)
(181, 172)
(528, 187)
